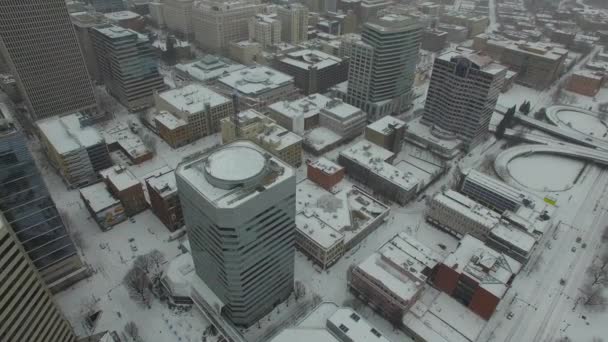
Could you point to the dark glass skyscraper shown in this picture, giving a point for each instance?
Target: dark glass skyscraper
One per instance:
(30, 211)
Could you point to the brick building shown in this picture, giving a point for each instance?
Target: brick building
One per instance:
(387, 132)
(476, 275)
(585, 82)
(123, 185)
(164, 199)
(324, 172)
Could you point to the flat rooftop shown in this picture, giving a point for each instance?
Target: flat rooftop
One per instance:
(98, 197)
(341, 110)
(308, 106)
(163, 183)
(193, 98)
(355, 327)
(373, 158)
(219, 175)
(325, 165)
(304, 335)
(307, 58)
(208, 68)
(66, 134)
(169, 120)
(386, 125)
(256, 80)
(467, 207)
(121, 15)
(496, 186)
(484, 62)
(120, 177)
(121, 134)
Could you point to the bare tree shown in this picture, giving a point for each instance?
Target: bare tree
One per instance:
(299, 290)
(138, 285)
(144, 262)
(316, 299)
(157, 257)
(132, 331)
(598, 271)
(605, 235)
(353, 303)
(593, 298)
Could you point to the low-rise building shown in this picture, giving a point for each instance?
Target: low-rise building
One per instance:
(207, 69)
(345, 120)
(455, 33)
(392, 279)
(198, 106)
(446, 146)
(258, 86)
(494, 193)
(475, 24)
(174, 131)
(370, 164)
(164, 199)
(434, 40)
(245, 52)
(329, 224)
(265, 132)
(586, 82)
(348, 326)
(324, 172)
(387, 132)
(127, 19)
(78, 152)
(476, 275)
(123, 185)
(122, 137)
(105, 209)
(299, 115)
(313, 71)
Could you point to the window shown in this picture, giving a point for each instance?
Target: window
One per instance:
(376, 332)
(343, 328)
(354, 317)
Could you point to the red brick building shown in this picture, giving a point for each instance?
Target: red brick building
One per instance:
(585, 82)
(164, 199)
(476, 275)
(324, 172)
(126, 187)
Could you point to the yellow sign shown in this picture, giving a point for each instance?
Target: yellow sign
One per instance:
(550, 200)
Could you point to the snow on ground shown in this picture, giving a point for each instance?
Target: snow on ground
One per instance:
(545, 171)
(582, 122)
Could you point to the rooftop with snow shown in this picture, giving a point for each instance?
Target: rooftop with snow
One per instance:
(193, 98)
(256, 80)
(307, 59)
(66, 134)
(209, 67)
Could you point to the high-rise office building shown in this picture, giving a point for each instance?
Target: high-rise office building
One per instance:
(265, 29)
(239, 205)
(28, 311)
(383, 64)
(30, 211)
(294, 23)
(106, 6)
(218, 22)
(178, 16)
(462, 95)
(40, 46)
(127, 65)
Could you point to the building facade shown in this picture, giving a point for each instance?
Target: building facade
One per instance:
(127, 65)
(265, 29)
(313, 71)
(106, 6)
(387, 132)
(383, 64)
(123, 185)
(177, 17)
(324, 172)
(164, 199)
(29, 312)
(216, 23)
(294, 23)
(31, 212)
(462, 96)
(42, 52)
(241, 226)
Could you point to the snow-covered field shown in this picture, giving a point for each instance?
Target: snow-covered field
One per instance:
(583, 123)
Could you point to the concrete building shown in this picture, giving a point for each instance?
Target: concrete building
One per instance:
(586, 82)
(245, 52)
(126, 19)
(122, 139)
(265, 132)
(216, 23)
(52, 76)
(265, 29)
(195, 112)
(294, 23)
(460, 215)
(455, 33)
(494, 193)
(164, 199)
(434, 40)
(24, 296)
(177, 17)
(324, 172)
(127, 65)
(538, 65)
(83, 22)
(123, 185)
(476, 276)
(30, 210)
(343, 119)
(239, 196)
(104, 208)
(206, 70)
(313, 71)
(475, 24)
(387, 133)
(392, 279)
(299, 115)
(370, 164)
(383, 64)
(78, 152)
(106, 6)
(348, 326)
(258, 86)
(462, 96)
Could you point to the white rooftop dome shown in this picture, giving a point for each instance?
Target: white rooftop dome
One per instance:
(256, 76)
(235, 165)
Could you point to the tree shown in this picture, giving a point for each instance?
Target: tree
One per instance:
(144, 262)
(132, 331)
(138, 285)
(157, 258)
(352, 303)
(299, 290)
(598, 271)
(593, 298)
(505, 122)
(540, 114)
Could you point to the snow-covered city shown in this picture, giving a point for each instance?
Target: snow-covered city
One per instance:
(303, 171)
